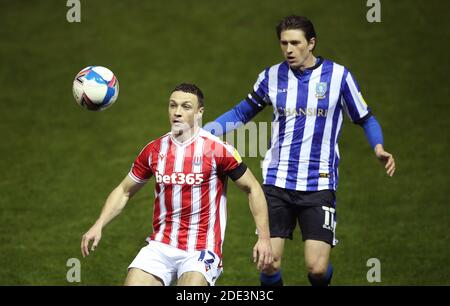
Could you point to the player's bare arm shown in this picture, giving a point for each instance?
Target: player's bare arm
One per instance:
(262, 251)
(386, 158)
(114, 205)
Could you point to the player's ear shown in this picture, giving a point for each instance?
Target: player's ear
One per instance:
(312, 44)
(199, 117)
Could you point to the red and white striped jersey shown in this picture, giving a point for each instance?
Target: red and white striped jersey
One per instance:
(190, 188)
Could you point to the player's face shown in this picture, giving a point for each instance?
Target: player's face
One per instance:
(184, 111)
(296, 49)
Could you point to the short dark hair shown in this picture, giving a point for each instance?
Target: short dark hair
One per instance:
(193, 89)
(294, 22)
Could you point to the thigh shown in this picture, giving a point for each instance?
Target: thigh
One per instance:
(156, 259)
(317, 255)
(137, 277)
(277, 247)
(192, 279)
(282, 213)
(199, 264)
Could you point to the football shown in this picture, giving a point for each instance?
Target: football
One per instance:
(95, 88)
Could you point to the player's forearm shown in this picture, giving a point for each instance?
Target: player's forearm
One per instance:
(373, 132)
(258, 207)
(114, 205)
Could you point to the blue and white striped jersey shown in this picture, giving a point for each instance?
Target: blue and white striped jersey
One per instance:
(308, 113)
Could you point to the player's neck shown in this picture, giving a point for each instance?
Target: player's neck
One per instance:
(309, 63)
(183, 136)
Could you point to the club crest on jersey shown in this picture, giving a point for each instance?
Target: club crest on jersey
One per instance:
(197, 160)
(161, 156)
(321, 90)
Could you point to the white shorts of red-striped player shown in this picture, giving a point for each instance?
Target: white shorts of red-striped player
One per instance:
(169, 263)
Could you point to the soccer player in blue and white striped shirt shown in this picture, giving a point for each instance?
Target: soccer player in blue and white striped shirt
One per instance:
(309, 96)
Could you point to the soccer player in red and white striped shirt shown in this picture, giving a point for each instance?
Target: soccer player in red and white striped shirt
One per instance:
(191, 167)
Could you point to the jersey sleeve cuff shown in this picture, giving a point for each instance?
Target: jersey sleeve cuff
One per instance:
(261, 103)
(237, 172)
(364, 119)
(136, 179)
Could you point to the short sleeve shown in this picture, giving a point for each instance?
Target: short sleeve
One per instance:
(229, 161)
(141, 170)
(353, 100)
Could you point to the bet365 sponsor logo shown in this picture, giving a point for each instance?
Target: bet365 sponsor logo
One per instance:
(179, 178)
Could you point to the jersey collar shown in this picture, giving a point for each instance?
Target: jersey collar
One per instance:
(298, 72)
(187, 142)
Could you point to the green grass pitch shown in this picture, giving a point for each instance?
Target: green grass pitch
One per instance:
(59, 162)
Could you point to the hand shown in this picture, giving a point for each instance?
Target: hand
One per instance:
(94, 233)
(386, 159)
(262, 253)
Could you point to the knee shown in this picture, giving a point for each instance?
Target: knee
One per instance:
(320, 275)
(318, 270)
(274, 267)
